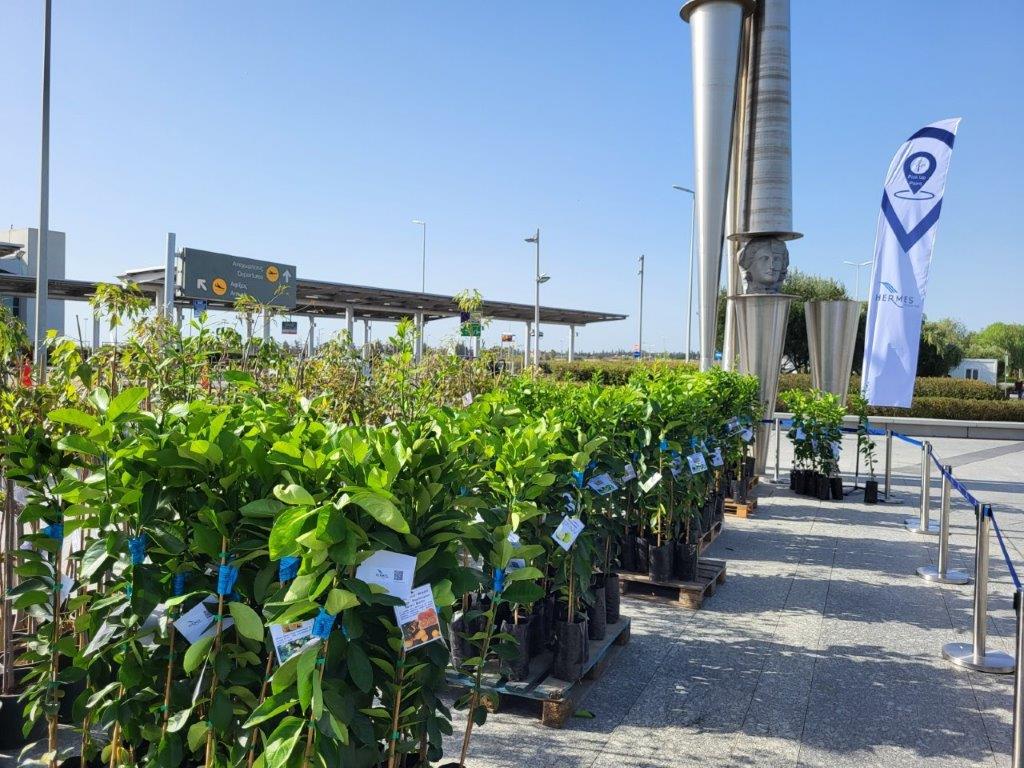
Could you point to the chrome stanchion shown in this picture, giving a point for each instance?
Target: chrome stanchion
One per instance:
(888, 461)
(974, 655)
(942, 574)
(1018, 688)
(778, 447)
(923, 525)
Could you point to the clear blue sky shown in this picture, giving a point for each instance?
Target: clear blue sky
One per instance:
(314, 132)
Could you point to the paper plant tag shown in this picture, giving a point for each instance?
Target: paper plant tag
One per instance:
(390, 570)
(418, 618)
(716, 458)
(292, 638)
(800, 434)
(650, 482)
(747, 435)
(837, 448)
(467, 399)
(697, 463)
(198, 622)
(567, 532)
(676, 466)
(513, 539)
(732, 426)
(602, 484)
(570, 502)
(515, 564)
(628, 473)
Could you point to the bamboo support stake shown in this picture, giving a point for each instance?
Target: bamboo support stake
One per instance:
(321, 661)
(216, 648)
(393, 736)
(51, 697)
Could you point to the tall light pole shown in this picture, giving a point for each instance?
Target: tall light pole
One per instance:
(689, 299)
(858, 265)
(42, 271)
(423, 285)
(640, 329)
(536, 302)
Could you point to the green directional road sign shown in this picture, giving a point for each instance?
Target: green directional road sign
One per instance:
(218, 277)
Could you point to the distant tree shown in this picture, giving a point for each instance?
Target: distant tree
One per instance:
(942, 347)
(1000, 340)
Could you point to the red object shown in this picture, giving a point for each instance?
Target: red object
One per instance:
(26, 374)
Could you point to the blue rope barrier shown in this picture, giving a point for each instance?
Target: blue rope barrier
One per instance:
(907, 439)
(1002, 545)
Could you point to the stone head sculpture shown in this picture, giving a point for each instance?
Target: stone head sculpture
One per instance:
(765, 263)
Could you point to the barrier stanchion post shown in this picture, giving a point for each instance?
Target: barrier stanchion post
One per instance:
(778, 446)
(974, 655)
(1017, 760)
(888, 461)
(942, 574)
(923, 524)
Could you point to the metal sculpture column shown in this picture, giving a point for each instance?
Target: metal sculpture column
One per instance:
(715, 31)
(831, 337)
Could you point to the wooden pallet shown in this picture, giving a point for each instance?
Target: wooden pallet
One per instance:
(558, 699)
(741, 510)
(689, 594)
(709, 536)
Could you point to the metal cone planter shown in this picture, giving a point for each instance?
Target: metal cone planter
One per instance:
(761, 320)
(831, 337)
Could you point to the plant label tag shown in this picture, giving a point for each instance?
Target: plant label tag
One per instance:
(567, 532)
(515, 564)
(602, 484)
(747, 435)
(570, 502)
(390, 570)
(513, 539)
(716, 458)
(697, 463)
(290, 639)
(800, 434)
(66, 583)
(650, 482)
(676, 466)
(732, 426)
(628, 473)
(467, 399)
(418, 619)
(198, 622)
(837, 448)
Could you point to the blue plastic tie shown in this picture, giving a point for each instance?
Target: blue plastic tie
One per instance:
(288, 567)
(578, 477)
(179, 583)
(663, 445)
(137, 548)
(227, 575)
(1002, 545)
(55, 531)
(323, 624)
(499, 581)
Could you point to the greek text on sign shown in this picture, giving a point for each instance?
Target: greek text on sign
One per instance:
(224, 278)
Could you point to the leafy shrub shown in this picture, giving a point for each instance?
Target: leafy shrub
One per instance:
(607, 371)
(958, 409)
(929, 386)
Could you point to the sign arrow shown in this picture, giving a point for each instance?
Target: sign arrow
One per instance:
(287, 275)
(201, 285)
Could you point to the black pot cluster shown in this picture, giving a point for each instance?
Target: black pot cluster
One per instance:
(673, 560)
(807, 482)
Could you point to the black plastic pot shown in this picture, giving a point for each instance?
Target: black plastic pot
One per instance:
(643, 554)
(77, 762)
(461, 648)
(518, 667)
(12, 720)
(627, 551)
(836, 487)
(660, 567)
(542, 635)
(572, 649)
(738, 491)
(871, 492)
(792, 478)
(799, 479)
(597, 615)
(822, 486)
(612, 597)
(685, 561)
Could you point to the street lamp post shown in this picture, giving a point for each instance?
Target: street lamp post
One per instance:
(689, 280)
(858, 265)
(540, 278)
(423, 284)
(42, 267)
(640, 329)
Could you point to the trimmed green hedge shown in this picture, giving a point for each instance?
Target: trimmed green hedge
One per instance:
(605, 371)
(925, 386)
(959, 409)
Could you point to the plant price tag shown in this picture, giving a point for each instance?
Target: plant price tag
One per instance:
(800, 434)
(837, 448)
(198, 622)
(293, 638)
(390, 570)
(650, 482)
(628, 473)
(567, 532)
(716, 458)
(515, 564)
(418, 618)
(747, 435)
(732, 426)
(602, 484)
(697, 463)
(467, 399)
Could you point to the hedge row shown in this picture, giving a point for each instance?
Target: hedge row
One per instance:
(604, 371)
(924, 386)
(959, 409)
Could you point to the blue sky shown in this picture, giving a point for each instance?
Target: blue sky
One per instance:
(315, 132)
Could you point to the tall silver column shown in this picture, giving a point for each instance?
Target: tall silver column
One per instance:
(831, 337)
(715, 34)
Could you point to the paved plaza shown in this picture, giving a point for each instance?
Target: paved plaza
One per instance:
(821, 649)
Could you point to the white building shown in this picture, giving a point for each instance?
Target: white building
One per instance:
(18, 251)
(977, 369)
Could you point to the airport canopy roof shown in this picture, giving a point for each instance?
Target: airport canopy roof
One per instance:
(321, 298)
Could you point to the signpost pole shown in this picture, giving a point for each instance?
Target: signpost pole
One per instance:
(572, 342)
(42, 268)
(170, 277)
(350, 318)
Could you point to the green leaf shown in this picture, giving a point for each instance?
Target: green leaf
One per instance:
(127, 401)
(380, 508)
(359, 667)
(196, 654)
(197, 735)
(524, 574)
(294, 495)
(273, 705)
(262, 508)
(247, 621)
(281, 743)
(304, 675)
(73, 416)
(585, 713)
(177, 721)
(340, 599)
